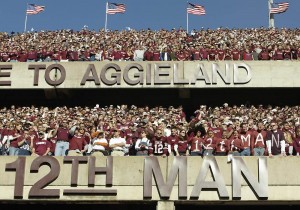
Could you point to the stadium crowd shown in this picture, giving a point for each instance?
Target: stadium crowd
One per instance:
(150, 45)
(143, 131)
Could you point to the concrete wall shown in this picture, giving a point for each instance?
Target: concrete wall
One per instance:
(128, 173)
(150, 74)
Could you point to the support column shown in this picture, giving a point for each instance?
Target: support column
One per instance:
(165, 205)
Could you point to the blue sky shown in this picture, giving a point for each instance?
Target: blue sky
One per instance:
(141, 14)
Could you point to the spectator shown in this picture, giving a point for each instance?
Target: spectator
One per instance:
(62, 143)
(139, 54)
(209, 143)
(158, 145)
(142, 145)
(25, 143)
(117, 144)
(275, 141)
(41, 147)
(183, 143)
(77, 143)
(173, 142)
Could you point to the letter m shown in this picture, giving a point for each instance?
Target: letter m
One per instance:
(152, 167)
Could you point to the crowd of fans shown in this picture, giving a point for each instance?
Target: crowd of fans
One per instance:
(144, 131)
(150, 45)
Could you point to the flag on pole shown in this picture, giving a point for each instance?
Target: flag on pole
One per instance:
(278, 8)
(195, 9)
(33, 9)
(114, 8)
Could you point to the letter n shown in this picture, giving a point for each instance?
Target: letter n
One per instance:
(260, 187)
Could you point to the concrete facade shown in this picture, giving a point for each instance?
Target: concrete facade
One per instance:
(128, 180)
(74, 75)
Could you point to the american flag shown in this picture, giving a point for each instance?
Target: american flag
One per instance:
(195, 9)
(113, 8)
(279, 8)
(33, 9)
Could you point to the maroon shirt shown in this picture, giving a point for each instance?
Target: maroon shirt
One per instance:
(182, 145)
(259, 139)
(172, 140)
(41, 146)
(117, 55)
(64, 55)
(13, 56)
(236, 144)
(196, 144)
(32, 55)
(247, 56)
(148, 56)
(264, 55)
(22, 57)
(210, 142)
(62, 134)
(222, 145)
(278, 55)
(218, 132)
(196, 55)
(156, 56)
(13, 133)
(221, 54)
(212, 55)
(204, 54)
(73, 55)
(77, 142)
(56, 56)
(5, 56)
(235, 55)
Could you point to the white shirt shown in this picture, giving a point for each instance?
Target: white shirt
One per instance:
(117, 141)
(97, 146)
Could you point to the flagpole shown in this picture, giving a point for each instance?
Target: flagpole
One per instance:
(25, 20)
(187, 21)
(106, 17)
(271, 16)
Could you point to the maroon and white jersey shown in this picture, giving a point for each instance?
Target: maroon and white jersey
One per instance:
(222, 145)
(196, 144)
(158, 146)
(275, 139)
(259, 139)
